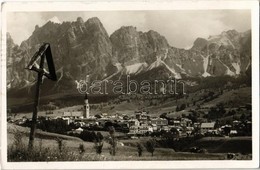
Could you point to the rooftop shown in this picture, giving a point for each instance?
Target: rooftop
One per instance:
(72, 114)
(208, 125)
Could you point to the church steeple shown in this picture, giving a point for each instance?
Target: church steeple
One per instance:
(86, 107)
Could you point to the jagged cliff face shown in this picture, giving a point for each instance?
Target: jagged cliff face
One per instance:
(224, 54)
(16, 77)
(79, 48)
(84, 48)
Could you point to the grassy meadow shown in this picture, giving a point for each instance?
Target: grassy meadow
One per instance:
(46, 148)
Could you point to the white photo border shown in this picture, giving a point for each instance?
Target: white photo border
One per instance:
(135, 5)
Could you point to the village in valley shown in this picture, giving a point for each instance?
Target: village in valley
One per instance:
(83, 122)
(141, 123)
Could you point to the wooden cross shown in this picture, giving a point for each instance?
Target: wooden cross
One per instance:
(43, 52)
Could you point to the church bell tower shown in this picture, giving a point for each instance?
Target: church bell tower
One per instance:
(86, 107)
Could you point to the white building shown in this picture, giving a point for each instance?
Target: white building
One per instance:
(206, 127)
(72, 115)
(144, 129)
(133, 122)
(140, 130)
(79, 130)
(185, 122)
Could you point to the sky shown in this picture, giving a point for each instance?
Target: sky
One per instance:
(180, 27)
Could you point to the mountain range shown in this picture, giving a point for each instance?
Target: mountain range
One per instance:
(84, 48)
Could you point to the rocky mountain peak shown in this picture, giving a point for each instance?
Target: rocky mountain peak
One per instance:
(84, 48)
(47, 28)
(230, 33)
(36, 27)
(157, 39)
(125, 31)
(93, 21)
(80, 20)
(153, 33)
(9, 38)
(94, 25)
(10, 45)
(129, 29)
(199, 43)
(125, 42)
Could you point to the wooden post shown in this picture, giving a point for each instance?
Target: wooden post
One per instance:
(36, 102)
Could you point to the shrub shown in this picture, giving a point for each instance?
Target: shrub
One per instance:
(98, 143)
(98, 147)
(139, 149)
(81, 148)
(112, 140)
(87, 136)
(150, 146)
(61, 144)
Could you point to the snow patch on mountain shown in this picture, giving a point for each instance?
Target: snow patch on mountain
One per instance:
(118, 66)
(183, 71)
(236, 67)
(159, 62)
(206, 74)
(228, 71)
(166, 54)
(249, 63)
(55, 20)
(205, 65)
(155, 64)
(135, 68)
(230, 43)
(178, 65)
(119, 69)
(176, 75)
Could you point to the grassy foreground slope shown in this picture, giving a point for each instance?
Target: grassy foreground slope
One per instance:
(47, 142)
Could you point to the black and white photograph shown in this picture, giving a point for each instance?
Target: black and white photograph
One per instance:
(132, 84)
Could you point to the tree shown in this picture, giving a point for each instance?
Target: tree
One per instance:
(87, 136)
(213, 113)
(81, 148)
(98, 116)
(61, 144)
(211, 94)
(112, 140)
(183, 106)
(163, 115)
(139, 149)
(221, 108)
(228, 122)
(98, 143)
(177, 109)
(174, 132)
(193, 117)
(227, 130)
(243, 117)
(150, 146)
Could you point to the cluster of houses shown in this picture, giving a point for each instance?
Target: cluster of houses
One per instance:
(142, 123)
